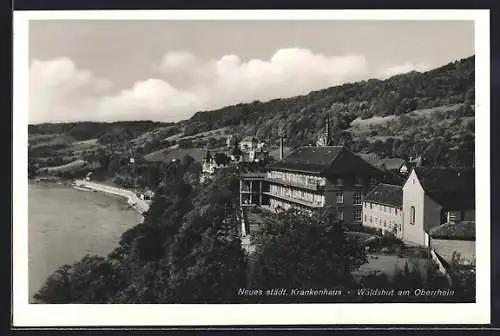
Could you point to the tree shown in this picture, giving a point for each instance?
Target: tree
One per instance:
(90, 280)
(303, 251)
(222, 159)
(187, 160)
(212, 142)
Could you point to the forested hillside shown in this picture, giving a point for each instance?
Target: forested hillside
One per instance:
(429, 114)
(300, 117)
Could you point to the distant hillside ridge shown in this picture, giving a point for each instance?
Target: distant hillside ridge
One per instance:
(299, 117)
(411, 114)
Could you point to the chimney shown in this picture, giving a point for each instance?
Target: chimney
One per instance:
(281, 148)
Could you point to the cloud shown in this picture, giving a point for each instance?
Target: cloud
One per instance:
(59, 91)
(186, 84)
(150, 99)
(289, 72)
(403, 68)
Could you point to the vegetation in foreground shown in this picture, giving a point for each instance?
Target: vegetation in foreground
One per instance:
(188, 251)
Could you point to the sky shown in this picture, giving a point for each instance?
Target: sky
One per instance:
(112, 70)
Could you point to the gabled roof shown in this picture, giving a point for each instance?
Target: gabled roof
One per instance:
(371, 158)
(325, 159)
(393, 178)
(465, 230)
(386, 194)
(452, 188)
(446, 179)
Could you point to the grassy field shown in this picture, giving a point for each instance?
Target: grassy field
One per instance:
(169, 154)
(360, 126)
(77, 164)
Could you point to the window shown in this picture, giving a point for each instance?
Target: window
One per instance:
(356, 198)
(340, 213)
(365, 218)
(340, 198)
(385, 223)
(412, 215)
(358, 180)
(371, 205)
(356, 214)
(340, 182)
(396, 211)
(371, 219)
(373, 180)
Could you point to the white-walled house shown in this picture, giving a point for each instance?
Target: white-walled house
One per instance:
(432, 197)
(383, 209)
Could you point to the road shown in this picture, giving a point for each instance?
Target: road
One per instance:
(140, 205)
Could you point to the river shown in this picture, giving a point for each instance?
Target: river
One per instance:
(64, 224)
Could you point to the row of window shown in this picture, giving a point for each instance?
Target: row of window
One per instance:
(382, 222)
(313, 180)
(297, 178)
(298, 194)
(356, 213)
(357, 198)
(382, 208)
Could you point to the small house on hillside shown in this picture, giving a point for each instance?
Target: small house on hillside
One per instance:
(251, 143)
(434, 196)
(454, 238)
(383, 209)
(248, 143)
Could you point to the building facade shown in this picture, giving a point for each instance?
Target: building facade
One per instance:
(253, 189)
(383, 209)
(314, 177)
(432, 197)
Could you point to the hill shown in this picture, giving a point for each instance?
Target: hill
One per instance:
(430, 114)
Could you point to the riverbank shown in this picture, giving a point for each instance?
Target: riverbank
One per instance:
(65, 224)
(133, 200)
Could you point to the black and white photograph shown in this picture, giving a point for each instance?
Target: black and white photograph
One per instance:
(236, 161)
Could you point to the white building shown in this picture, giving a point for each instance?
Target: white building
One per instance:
(383, 209)
(432, 197)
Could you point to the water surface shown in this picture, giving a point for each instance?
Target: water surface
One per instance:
(64, 224)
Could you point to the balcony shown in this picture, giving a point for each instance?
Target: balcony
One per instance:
(248, 191)
(309, 186)
(294, 200)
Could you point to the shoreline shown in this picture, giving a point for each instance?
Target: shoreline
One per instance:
(92, 245)
(133, 200)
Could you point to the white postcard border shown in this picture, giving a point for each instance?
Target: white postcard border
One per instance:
(25, 314)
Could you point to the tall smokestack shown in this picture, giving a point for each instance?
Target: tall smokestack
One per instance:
(281, 148)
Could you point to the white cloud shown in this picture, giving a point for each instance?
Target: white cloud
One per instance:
(178, 61)
(403, 68)
(59, 91)
(150, 99)
(187, 84)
